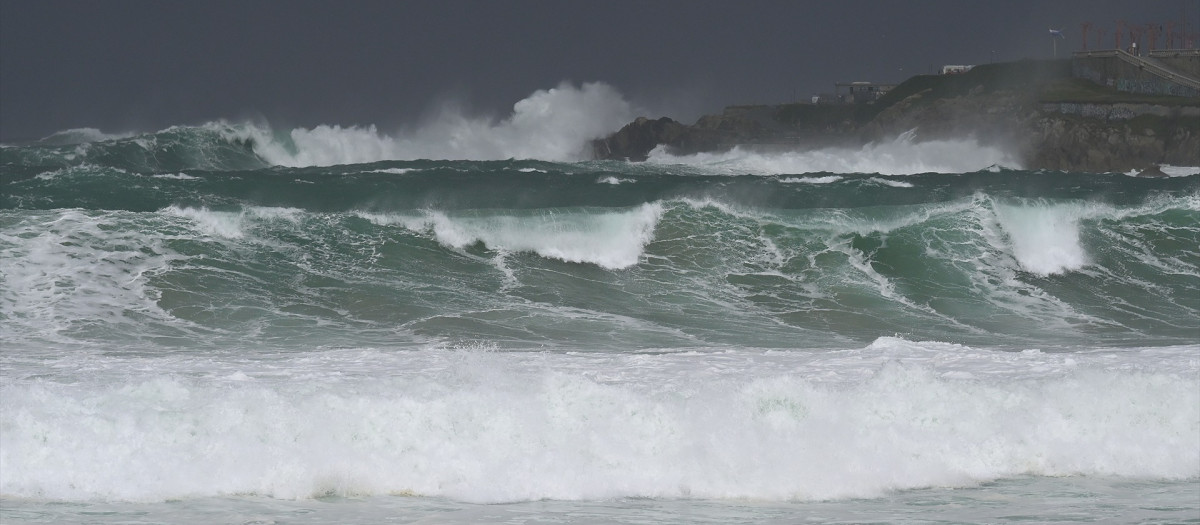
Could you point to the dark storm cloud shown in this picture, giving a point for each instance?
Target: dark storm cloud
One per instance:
(123, 66)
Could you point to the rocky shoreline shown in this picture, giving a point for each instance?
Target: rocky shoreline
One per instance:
(1035, 110)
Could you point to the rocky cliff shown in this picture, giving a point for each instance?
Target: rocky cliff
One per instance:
(1033, 109)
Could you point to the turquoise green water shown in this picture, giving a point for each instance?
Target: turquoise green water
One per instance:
(194, 333)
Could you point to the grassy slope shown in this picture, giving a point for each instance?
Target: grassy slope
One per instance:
(1034, 81)
(1042, 80)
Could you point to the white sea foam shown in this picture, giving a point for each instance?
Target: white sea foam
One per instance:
(232, 224)
(82, 136)
(903, 155)
(811, 180)
(552, 124)
(66, 271)
(1171, 171)
(1180, 171)
(966, 235)
(214, 223)
(614, 180)
(491, 426)
(396, 171)
(891, 182)
(1045, 237)
(80, 170)
(608, 239)
(175, 176)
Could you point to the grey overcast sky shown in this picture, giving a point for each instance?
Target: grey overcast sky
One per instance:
(138, 65)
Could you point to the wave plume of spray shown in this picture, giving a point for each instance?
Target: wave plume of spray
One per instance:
(1045, 238)
(551, 124)
(901, 156)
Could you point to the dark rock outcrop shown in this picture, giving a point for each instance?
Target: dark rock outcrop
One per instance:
(1153, 172)
(1024, 115)
(756, 126)
(1067, 142)
(635, 141)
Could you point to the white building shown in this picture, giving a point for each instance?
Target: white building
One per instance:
(955, 70)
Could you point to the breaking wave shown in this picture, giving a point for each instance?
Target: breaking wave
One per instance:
(496, 427)
(970, 269)
(551, 124)
(184, 321)
(612, 239)
(903, 155)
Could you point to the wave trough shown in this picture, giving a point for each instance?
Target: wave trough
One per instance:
(227, 316)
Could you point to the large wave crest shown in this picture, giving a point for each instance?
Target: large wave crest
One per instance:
(551, 124)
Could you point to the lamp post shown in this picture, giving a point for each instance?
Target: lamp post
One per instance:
(1055, 35)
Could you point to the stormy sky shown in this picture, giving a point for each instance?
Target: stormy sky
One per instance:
(146, 65)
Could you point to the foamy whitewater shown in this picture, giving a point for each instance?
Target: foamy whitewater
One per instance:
(232, 323)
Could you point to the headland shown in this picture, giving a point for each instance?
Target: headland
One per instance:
(1095, 112)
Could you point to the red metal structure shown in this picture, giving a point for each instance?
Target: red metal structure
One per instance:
(1152, 31)
(1135, 36)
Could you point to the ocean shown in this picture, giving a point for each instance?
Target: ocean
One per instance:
(227, 323)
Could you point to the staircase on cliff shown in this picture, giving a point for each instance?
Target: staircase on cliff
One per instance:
(1163, 73)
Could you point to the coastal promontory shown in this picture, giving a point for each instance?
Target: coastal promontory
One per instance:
(1043, 112)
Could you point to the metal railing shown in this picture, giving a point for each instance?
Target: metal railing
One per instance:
(1145, 64)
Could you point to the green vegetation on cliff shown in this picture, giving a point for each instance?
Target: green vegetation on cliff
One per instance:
(1036, 109)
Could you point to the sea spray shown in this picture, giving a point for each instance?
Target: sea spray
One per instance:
(899, 156)
(551, 124)
(1045, 238)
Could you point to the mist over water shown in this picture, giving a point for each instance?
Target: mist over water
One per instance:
(899, 156)
(227, 315)
(553, 124)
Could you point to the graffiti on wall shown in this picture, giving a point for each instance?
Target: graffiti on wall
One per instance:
(1105, 112)
(1148, 86)
(1154, 87)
